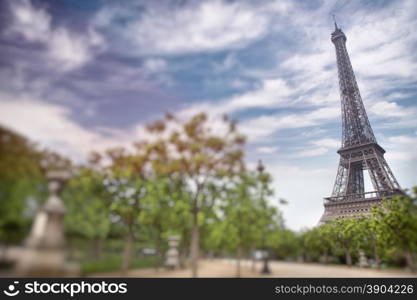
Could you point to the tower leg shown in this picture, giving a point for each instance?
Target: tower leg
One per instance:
(355, 183)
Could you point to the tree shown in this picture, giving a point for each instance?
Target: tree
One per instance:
(246, 214)
(21, 182)
(126, 182)
(23, 186)
(369, 238)
(326, 241)
(87, 210)
(286, 244)
(204, 160)
(396, 224)
(165, 211)
(345, 235)
(318, 242)
(270, 218)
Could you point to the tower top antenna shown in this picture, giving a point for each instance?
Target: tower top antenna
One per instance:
(335, 23)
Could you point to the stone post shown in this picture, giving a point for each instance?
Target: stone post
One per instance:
(43, 253)
(172, 260)
(363, 262)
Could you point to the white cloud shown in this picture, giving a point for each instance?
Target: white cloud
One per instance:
(72, 50)
(311, 152)
(261, 127)
(387, 109)
(33, 24)
(208, 26)
(402, 147)
(318, 148)
(267, 149)
(229, 62)
(68, 50)
(204, 26)
(271, 93)
(382, 40)
(153, 65)
(52, 126)
(401, 156)
(313, 63)
(304, 189)
(327, 142)
(403, 139)
(238, 83)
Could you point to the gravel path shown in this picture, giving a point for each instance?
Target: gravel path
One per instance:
(227, 268)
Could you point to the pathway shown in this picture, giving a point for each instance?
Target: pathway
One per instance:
(227, 268)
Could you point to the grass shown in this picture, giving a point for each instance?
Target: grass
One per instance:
(113, 262)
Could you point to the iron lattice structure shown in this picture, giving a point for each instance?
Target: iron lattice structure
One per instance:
(360, 150)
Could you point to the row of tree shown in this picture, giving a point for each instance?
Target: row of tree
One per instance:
(184, 179)
(387, 235)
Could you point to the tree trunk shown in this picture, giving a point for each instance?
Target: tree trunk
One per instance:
(158, 254)
(253, 259)
(238, 260)
(326, 256)
(128, 251)
(183, 254)
(348, 258)
(195, 235)
(96, 248)
(409, 259)
(183, 259)
(376, 256)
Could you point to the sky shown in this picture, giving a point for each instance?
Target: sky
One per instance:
(77, 76)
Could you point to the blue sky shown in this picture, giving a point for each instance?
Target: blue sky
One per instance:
(82, 75)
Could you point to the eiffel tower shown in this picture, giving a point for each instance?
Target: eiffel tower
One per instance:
(360, 150)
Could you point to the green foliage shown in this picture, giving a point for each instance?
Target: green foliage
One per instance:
(388, 233)
(285, 244)
(166, 211)
(21, 182)
(244, 220)
(87, 210)
(238, 215)
(203, 161)
(112, 263)
(396, 225)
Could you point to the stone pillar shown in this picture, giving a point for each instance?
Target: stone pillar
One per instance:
(363, 262)
(172, 260)
(43, 253)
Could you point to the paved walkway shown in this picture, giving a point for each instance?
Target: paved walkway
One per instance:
(227, 268)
